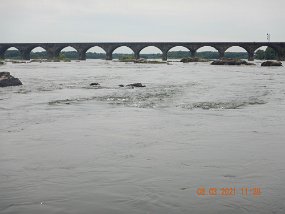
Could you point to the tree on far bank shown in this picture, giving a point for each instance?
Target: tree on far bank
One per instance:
(268, 54)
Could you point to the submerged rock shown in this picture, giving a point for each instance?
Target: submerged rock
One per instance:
(1, 63)
(136, 85)
(144, 61)
(19, 62)
(8, 80)
(121, 85)
(39, 60)
(226, 61)
(58, 60)
(271, 63)
(195, 59)
(94, 84)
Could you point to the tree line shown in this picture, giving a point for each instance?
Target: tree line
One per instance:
(268, 54)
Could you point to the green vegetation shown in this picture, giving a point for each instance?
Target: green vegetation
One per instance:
(268, 54)
(94, 55)
(12, 54)
(127, 58)
(60, 58)
(178, 54)
(68, 56)
(39, 55)
(63, 58)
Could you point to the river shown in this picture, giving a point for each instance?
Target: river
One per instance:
(67, 147)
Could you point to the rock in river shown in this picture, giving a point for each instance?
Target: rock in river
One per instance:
(271, 63)
(226, 61)
(136, 85)
(6, 79)
(195, 59)
(94, 84)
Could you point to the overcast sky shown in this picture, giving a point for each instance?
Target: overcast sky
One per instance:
(141, 20)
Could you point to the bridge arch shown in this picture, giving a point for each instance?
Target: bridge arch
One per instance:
(62, 47)
(207, 47)
(178, 52)
(95, 52)
(151, 51)
(238, 52)
(121, 52)
(208, 51)
(37, 52)
(12, 52)
(67, 53)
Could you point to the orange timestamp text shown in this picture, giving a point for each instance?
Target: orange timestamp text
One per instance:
(229, 191)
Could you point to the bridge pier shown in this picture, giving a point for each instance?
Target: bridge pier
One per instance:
(25, 54)
(250, 55)
(281, 54)
(137, 55)
(221, 50)
(193, 53)
(281, 57)
(82, 55)
(164, 56)
(221, 54)
(50, 55)
(109, 55)
(2, 52)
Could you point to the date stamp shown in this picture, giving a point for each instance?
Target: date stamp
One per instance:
(229, 191)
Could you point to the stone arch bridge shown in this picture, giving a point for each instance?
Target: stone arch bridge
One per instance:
(53, 49)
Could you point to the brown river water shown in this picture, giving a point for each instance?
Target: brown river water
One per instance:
(197, 139)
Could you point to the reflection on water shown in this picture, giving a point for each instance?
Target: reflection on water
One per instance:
(67, 147)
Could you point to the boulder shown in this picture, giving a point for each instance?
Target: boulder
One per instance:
(94, 84)
(121, 85)
(271, 63)
(226, 61)
(136, 85)
(8, 80)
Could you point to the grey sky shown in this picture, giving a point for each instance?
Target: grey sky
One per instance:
(141, 20)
